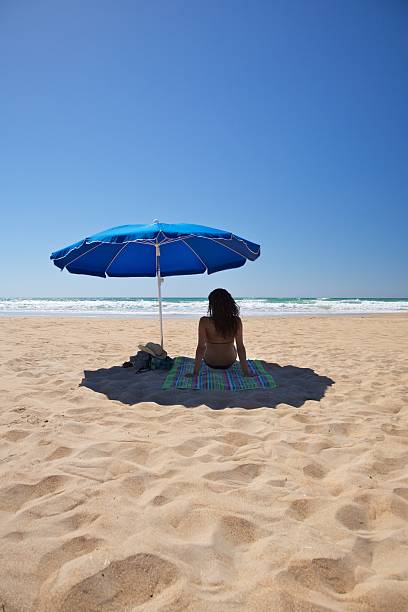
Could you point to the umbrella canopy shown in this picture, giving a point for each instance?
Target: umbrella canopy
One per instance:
(158, 249)
(128, 250)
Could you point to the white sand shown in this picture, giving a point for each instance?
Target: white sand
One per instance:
(115, 495)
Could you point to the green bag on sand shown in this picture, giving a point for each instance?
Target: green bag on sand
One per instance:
(161, 364)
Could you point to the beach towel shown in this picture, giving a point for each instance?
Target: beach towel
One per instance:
(231, 379)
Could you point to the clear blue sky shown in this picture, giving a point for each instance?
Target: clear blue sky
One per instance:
(283, 121)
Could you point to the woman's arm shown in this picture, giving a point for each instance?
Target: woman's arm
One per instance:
(201, 346)
(239, 339)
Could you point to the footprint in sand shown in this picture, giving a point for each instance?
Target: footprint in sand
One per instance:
(302, 508)
(314, 470)
(320, 573)
(12, 498)
(392, 430)
(384, 510)
(190, 447)
(14, 435)
(59, 453)
(15, 536)
(75, 521)
(353, 516)
(385, 596)
(277, 482)
(243, 474)
(139, 454)
(121, 585)
(193, 523)
(171, 492)
(236, 438)
(160, 500)
(71, 549)
(237, 531)
(386, 465)
(137, 485)
(301, 418)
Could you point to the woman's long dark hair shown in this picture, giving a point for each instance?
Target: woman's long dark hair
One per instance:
(224, 312)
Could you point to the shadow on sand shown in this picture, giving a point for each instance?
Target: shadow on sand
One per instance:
(295, 387)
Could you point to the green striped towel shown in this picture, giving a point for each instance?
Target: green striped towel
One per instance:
(220, 380)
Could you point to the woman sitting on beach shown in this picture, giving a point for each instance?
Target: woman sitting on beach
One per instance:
(218, 332)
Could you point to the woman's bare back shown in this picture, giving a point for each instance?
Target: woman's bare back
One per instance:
(217, 350)
(220, 350)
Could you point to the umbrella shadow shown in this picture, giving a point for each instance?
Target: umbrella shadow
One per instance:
(295, 387)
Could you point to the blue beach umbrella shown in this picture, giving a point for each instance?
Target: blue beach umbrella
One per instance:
(158, 249)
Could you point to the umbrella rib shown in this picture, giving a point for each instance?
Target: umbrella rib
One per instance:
(183, 237)
(196, 254)
(178, 239)
(115, 256)
(70, 250)
(246, 244)
(82, 254)
(169, 240)
(227, 247)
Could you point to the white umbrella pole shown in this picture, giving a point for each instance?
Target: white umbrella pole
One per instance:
(159, 282)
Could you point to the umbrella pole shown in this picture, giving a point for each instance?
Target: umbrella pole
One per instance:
(159, 282)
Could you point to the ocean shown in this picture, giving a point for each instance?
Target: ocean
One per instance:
(195, 307)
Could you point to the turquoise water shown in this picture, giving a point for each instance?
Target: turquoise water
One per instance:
(194, 306)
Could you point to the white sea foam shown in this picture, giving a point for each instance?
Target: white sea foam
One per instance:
(197, 306)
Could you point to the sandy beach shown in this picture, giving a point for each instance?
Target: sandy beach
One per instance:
(116, 495)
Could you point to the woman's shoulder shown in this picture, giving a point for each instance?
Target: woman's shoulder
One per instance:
(239, 325)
